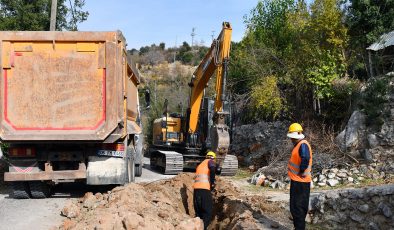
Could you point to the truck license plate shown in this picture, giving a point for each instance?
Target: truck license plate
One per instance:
(110, 153)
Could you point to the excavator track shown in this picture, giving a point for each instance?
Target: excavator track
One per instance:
(229, 166)
(170, 162)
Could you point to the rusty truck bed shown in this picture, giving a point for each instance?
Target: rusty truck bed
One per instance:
(65, 86)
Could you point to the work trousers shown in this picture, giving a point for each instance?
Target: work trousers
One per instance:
(203, 205)
(299, 202)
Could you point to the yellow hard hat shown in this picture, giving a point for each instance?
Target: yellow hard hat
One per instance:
(295, 127)
(211, 154)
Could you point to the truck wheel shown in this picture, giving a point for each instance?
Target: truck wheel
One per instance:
(39, 189)
(20, 190)
(138, 170)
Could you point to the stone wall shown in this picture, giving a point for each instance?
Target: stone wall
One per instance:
(365, 208)
(254, 144)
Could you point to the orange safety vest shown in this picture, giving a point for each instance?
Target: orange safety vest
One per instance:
(295, 162)
(201, 179)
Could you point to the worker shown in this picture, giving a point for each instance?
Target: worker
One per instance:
(204, 183)
(299, 171)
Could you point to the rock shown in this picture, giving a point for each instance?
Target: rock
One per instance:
(356, 194)
(308, 219)
(356, 217)
(350, 179)
(334, 170)
(372, 140)
(287, 186)
(89, 200)
(332, 195)
(342, 175)
(363, 208)
(386, 210)
(332, 182)
(351, 136)
(322, 178)
(68, 224)
(373, 226)
(191, 224)
(363, 168)
(281, 185)
(355, 171)
(317, 203)
(315, 179)
(321, 184)
(274, 184)
(366, 155)
(274, 225)
(133, 221)
(70, 210)
(331, 175)
(260, 180)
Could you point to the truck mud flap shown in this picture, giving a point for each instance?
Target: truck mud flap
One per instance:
(106, 170)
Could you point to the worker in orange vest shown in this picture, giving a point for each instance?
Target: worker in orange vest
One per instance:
(299, 171)
(204, 183)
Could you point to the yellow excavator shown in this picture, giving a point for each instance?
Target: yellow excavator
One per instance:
(180, 141)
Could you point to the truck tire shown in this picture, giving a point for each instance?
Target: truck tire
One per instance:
(20, 190)
(138, 170)
(39, 190)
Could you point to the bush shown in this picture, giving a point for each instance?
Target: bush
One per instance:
(373, 99)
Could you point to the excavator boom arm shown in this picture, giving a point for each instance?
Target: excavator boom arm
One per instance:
(215, 60)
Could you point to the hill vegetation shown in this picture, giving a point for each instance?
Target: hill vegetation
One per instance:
(297, 61)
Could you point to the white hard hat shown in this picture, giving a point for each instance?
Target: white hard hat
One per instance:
(296, 135)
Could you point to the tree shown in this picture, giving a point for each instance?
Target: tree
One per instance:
(302, 48)
(366, 20)
(162, 46)
(35, 15)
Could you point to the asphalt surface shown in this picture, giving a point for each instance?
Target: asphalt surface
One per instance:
(42, 214)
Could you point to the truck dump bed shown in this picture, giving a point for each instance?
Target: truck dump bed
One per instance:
(65, 86)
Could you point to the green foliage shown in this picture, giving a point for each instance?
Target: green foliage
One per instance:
(346, 92)
(35, 15)
(323, 74)
(303, 47)
(155, 111)
(266, 99)
(366, 20)
(156, 54)
(374, 97)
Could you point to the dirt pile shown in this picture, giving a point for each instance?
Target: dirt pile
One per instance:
(160, 205)
(166, 204)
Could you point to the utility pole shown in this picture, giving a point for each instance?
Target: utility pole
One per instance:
(193, 34)
(52, 25)
(213, 34)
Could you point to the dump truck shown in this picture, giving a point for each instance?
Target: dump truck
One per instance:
(180, 141)
(69, 110)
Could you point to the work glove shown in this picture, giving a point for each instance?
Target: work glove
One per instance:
(213, 187)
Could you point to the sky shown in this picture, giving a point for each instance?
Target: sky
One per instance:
(146, 22)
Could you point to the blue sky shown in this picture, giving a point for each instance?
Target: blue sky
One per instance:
(144, 22)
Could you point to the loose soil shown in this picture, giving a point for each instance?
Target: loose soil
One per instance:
(168, 204)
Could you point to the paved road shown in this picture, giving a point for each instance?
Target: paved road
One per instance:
(44, 214)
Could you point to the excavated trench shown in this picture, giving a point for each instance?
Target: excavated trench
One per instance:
(166, 204)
